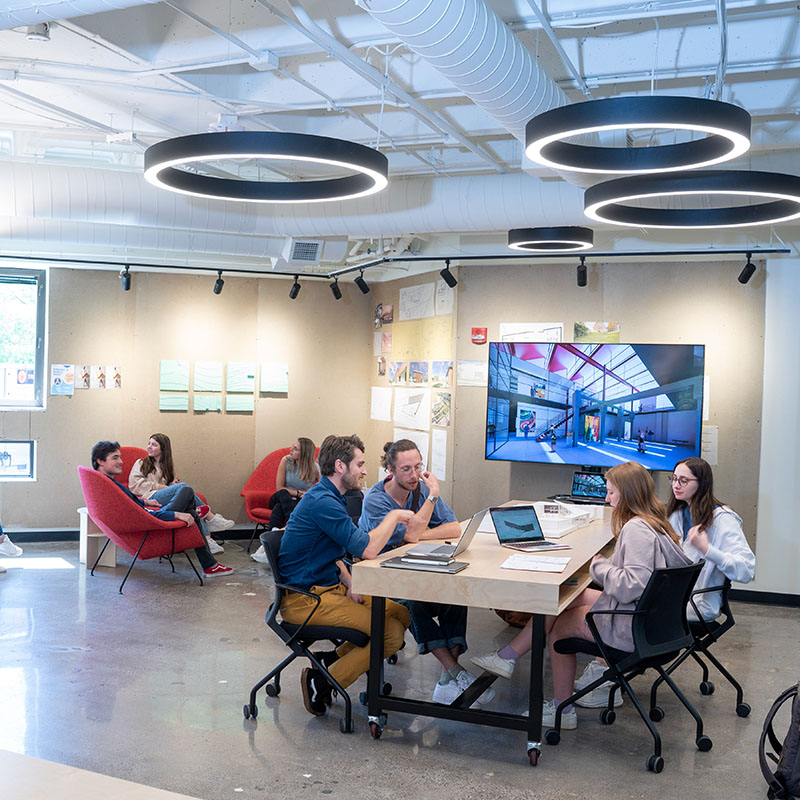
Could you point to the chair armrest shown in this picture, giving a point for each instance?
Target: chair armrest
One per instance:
(317, 601)
(725, 609)
(596, 634)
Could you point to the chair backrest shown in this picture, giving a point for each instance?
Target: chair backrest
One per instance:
(662, 627)
(271, 540)
(354, 501)
(130, 455)
(265, 474)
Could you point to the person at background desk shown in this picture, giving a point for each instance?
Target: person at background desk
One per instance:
(317, 537)
(437, 628)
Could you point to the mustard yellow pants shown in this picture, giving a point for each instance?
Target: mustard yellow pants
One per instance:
(337, 609)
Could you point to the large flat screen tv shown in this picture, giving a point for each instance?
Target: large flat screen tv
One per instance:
(594, 404)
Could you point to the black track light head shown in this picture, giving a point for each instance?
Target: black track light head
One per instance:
(218, 283)
(361, 283)
(126, 279)
(747, 271)
(295, 290)
(582, 280)
(448, 276)
(336, 291)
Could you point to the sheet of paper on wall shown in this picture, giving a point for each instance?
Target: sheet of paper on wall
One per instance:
(420, 439)
(417, 302)
(596, 331)
(83, 377)
(386, 342)
(439, 454)
(442, 374)
(62, 379)
(709, 444)
(534, 563)
(173, 402)
(445, 298)
(531, 331)
(239, 402)
(114, 377)
(440, 410)
(241, 377)
(99, 377)
(472, 373)
(412, 408)
(208, 376)
(207, 402)
(418, 372)
(376, 343)
(174, 376)
(274, 377)
(381, 404)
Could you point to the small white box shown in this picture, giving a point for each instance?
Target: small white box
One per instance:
(564, 521)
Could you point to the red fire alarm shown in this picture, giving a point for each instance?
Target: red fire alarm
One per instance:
(479, 336)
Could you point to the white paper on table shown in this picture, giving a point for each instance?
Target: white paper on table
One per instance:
(420, 439)
(445, 298)
(533, 563)
(412, 408)
(472, 373)
(439, 454)
(417, 302)
(381, 405)
(531, 331)
(377, 338)
(709, 444)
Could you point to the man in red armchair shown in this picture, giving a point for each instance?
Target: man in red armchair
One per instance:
(107, 459)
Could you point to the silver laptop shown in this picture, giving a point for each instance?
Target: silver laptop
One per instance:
(445, 551)
(398, 562)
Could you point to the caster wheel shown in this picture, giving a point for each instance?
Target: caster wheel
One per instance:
(272, 690)
(362, 698)
(704, 744)
(246, 711)
(249, 711)
(656, 713)
(533, 756)
(346, 725)
(387, 688)
(375, 730)
(743, 710)
(607, 716)
(655, 764)
(392, 659)
(552, 736)
(707, 687)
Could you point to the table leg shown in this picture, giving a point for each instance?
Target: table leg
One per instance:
(377, 628)
(536, 690)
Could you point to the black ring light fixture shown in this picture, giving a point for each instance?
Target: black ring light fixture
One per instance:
(162, 164)
(564, 239)
(607, 202)
(727, 129)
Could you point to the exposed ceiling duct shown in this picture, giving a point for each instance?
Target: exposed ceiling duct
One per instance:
(34, 13)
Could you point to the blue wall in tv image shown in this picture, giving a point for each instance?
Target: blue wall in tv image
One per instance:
(594, 403)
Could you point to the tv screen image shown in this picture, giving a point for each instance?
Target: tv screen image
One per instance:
(606, 403)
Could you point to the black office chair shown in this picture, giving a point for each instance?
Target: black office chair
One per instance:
(299, 638)
(660, 632)
(705, 633)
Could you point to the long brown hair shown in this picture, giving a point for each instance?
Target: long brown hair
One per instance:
(306, 465)
(167, 468)
(637, 498)
(702, 503)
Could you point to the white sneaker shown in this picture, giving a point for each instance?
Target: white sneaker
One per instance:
(569, 719)
(215, 547)
(446, 692)
(218, 523)
(8, 548)
(503, 667)
(597, 698)
(259, 555)
(465, 680)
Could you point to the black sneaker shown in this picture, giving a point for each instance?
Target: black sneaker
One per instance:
(316, 691)
(327, 657)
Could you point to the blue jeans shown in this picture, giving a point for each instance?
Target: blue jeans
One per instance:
(180, 497)
(450, 631)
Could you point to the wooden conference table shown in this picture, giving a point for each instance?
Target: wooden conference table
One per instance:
(483, 584)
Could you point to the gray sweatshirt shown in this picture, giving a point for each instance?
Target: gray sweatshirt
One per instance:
(639, 550)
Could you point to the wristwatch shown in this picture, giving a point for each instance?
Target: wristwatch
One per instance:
(433, 498)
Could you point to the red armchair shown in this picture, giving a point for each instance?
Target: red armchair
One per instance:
(132, 528)
(259, 488)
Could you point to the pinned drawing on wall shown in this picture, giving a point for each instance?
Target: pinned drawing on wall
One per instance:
(207, 402)
(442, 374)
(275, 377)
(440, 411)
(83, 377)
(241, 377)
(472, 373)
(445, 298)
(376, 343)
(174, 376)
(398, 372)
(417, 302)
(381, 403)
(418, 372)
(98, 379)
(531, 331)
(438, 465)
(114, 377)
(384, 314)
(173, 402)
(421, 440)
(605, 332)
(239, 403)
(381, 366)
(386, 342)
(412, 408)
(208, 376)
(62, 379)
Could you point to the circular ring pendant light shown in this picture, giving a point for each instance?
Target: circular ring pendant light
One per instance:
(163, 162)
(779, 195)
(565, 239)
(727, 128)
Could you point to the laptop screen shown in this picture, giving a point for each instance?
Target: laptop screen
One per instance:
(516, 524)
(589, 484)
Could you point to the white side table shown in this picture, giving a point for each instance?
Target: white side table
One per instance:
(92, 540)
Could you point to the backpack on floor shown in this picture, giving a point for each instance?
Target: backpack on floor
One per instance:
(784, 782)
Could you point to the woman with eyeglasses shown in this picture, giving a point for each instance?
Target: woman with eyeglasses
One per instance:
(710, 530)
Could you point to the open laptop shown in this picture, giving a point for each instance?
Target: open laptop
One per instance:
(518, 527)
(436, 550)
(587, 488)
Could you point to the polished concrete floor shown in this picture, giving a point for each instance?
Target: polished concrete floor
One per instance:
(149, 686)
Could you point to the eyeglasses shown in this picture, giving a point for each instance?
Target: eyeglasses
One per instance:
(680, 480)
(409, 470)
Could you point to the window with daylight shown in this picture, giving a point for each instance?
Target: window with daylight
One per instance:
(23, 307)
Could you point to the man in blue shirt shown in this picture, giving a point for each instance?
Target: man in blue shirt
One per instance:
(318, 534)
(408, 487)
